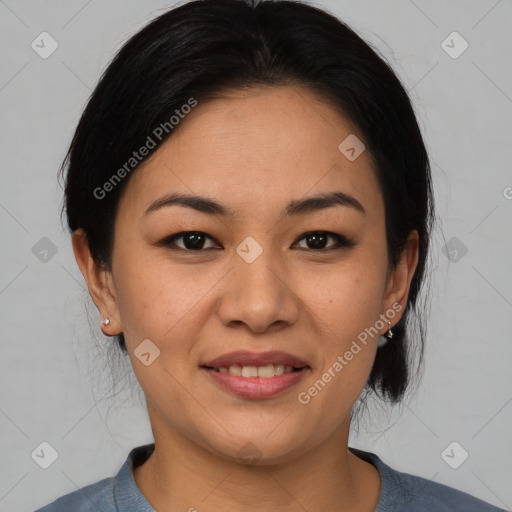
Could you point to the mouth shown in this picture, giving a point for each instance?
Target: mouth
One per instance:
(246, 360)
(249, 371)
(255, 375)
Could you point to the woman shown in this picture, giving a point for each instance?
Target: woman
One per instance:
(250, 204)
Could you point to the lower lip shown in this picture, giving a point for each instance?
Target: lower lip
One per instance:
(256, 387)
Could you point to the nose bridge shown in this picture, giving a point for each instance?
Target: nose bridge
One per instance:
(256, 268)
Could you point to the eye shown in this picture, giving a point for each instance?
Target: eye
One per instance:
(318, 240)
(192, 240)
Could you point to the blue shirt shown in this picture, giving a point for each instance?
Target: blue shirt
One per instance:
(400, 492)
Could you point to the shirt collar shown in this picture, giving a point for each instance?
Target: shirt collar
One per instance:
(391, 498)
(128, 497)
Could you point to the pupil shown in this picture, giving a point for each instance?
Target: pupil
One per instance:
(194, 240)
(318, 240)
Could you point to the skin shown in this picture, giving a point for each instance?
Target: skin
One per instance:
(253, 151)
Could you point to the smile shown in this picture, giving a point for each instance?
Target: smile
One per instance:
(255, 381)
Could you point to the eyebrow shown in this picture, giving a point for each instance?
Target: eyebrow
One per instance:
(295, 207)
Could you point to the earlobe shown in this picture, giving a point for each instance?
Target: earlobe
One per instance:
(401, 277)
(98, 282)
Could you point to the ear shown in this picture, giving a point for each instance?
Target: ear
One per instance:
(100, 283)
(399, 280)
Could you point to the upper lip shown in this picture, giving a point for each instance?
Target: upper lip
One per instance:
(247, 358)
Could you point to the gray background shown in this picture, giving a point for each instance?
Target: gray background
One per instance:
(54, 376)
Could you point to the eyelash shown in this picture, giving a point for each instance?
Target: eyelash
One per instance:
(341, 241)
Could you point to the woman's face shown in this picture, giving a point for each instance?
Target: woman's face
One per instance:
(255, 281)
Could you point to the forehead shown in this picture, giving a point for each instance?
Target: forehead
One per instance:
(257, 148)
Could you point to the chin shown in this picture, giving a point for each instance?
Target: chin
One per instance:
(257, 450)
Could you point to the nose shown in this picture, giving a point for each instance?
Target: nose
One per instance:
(259, 296)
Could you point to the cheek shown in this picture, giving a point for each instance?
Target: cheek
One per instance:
(346, 302)
(346, 299)
(153, 296)
(346, 310)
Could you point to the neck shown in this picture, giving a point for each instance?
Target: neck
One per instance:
(183, 475)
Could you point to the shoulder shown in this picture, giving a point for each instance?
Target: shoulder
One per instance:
(403, 492)
(426, 495)
(113, 494)
(93, 497)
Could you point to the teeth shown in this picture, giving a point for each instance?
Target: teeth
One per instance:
(278, 369)
(249, 371)
(264, 372)
(235, 370)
